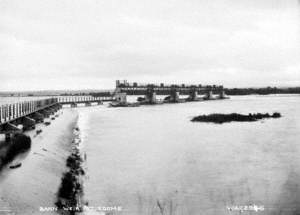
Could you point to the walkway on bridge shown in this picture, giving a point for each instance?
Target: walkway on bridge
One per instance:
(87, 100)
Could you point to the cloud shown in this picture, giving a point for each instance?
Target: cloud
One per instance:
(96, 42)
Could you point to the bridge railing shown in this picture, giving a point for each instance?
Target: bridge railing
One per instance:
(78, 99)
(13, 111)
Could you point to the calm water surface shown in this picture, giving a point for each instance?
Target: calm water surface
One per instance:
(153, 160)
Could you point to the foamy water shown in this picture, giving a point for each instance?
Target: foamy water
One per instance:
(153, 160)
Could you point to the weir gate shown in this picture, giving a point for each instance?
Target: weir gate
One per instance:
(208, 92)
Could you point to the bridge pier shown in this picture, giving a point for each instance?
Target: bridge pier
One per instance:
(173, 97)
(222, 95)
(10, 129)
(56, 107)
(38, 117)
(121, 98)
(28, 123)
(50, 110)
(193, 96)
(150, 97)
(208, 95)
(45, 113)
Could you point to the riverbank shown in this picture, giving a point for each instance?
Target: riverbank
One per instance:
(70, 194)
(33, 187)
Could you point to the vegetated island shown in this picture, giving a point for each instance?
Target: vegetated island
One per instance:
(222, 118)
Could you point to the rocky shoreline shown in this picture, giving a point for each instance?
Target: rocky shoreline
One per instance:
(70, 193)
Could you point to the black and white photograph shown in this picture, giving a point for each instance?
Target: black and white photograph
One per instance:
(149, 107)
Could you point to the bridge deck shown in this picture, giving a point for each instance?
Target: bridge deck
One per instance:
(11, 112)
(82, 99)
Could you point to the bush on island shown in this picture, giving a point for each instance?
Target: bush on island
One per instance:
(221, 118)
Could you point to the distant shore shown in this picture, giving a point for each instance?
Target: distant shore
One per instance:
(262, 91)
(229, 91)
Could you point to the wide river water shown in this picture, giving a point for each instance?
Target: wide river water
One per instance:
(153, 160)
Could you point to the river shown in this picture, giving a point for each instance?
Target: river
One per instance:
(153, 160)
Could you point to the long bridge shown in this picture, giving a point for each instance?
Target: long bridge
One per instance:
(21, 116)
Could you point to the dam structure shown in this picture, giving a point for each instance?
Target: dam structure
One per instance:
(173, 92)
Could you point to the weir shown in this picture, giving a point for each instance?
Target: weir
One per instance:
(173, 92)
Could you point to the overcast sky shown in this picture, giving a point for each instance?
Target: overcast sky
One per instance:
(88, 44)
